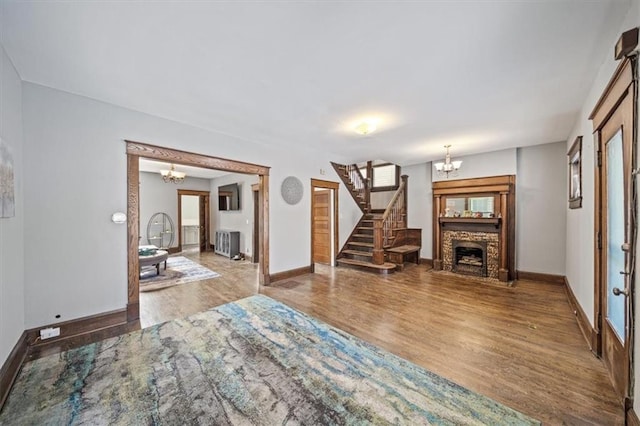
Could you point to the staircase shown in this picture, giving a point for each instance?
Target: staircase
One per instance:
(358, 251)
(375, 233)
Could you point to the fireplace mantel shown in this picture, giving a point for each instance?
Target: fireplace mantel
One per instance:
(502, 225)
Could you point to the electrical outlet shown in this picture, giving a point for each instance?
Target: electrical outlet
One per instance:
(48, 333)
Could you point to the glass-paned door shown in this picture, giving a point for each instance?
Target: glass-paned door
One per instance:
(616, 306)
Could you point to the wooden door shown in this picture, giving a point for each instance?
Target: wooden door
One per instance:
(321, 226)
(615, 228)
(615, 142)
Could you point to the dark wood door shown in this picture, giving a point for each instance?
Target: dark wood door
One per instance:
(256, 226)
(615, 141)
(204, 222)
(321, 224)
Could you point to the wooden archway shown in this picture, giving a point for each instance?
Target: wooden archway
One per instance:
(137, 150)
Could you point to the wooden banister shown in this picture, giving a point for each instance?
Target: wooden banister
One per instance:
(394, 217)
(356, 183)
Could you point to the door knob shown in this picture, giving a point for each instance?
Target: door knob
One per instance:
(617, 292)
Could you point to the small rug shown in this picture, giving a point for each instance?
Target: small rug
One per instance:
(251, 362)
(180, 270)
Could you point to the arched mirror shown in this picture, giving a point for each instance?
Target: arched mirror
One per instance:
(160, 231)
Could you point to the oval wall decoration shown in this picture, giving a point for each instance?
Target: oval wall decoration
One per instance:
(292, 190)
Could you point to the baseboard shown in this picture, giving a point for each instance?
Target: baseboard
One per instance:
(11, 367)
(428, 262)
(78, 327)
(587, 330)
(632, 418)
(174, 250)
(538, 276)
(290, 273)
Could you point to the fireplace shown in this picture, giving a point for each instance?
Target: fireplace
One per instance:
(475, 210)
(469, 257)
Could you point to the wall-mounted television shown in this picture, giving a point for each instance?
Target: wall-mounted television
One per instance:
(229, 197)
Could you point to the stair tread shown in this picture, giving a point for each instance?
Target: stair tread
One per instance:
(358, 253)
(363, 235)
(384, 266)
(361, 244)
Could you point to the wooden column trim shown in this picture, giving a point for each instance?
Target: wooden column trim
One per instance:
(616, 89)
(378, 241)
(503, 271)
(263, 197)
(437, 249)
(133, 233)
(405, 182)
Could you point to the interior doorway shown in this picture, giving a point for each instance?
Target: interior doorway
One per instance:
(193, 220)
(137, 150)
(614, 130)
(324, 222)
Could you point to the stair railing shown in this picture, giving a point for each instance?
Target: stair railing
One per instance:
(394, 217)
(357, 184)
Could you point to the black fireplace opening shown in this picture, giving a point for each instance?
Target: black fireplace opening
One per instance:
(470, 257)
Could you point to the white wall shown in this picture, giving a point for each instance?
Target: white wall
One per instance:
(67, 136)
(540, 180)
(497, 163)
(12, 316)
(420, 200)
(156, 196)
(235, 220)
(580, 222)
(541, 202)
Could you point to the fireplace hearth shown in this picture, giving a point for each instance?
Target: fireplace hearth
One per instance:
(469, 257)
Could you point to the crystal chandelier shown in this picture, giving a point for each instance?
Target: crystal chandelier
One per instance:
(448, 168)
(172, 175)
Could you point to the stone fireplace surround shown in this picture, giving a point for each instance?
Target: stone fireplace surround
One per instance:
(491, 238)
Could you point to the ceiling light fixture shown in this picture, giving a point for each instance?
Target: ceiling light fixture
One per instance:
(172, 175)
(365, 127)
(448, 168)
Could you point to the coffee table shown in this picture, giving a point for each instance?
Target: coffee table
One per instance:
(154, 260)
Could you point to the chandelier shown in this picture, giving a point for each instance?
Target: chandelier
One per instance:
(448, 168)
(172, 175)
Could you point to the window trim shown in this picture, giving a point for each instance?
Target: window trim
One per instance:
(382, 188)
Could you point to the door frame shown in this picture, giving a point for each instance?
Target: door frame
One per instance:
(137, 150)
(622, 84)
(255, 243)
(335, 186)
(207, 195)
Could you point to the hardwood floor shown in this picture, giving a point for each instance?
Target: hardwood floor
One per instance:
(519, 345)
(238, 279)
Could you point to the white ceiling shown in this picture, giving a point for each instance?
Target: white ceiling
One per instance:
(481, 75)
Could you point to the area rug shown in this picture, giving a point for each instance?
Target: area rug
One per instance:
(251, 362)
(180, 270)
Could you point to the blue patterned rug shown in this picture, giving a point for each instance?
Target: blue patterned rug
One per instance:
(255, 361)
(180, 270)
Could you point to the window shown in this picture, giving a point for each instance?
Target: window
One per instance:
(386, 177)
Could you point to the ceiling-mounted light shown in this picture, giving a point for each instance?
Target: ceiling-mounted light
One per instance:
(448, 168)
(172, 175)
(365, 127)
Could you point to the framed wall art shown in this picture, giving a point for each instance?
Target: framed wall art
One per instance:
(7, 195)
